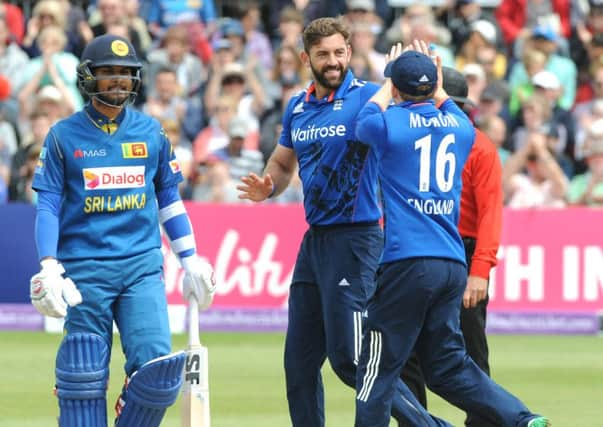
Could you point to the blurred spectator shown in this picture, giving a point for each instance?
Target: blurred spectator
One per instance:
(545, 40)
(547, 84)
(585, 89)
(12, 61)
(459, 16)
(494, 101)
(587, 112)
(137, 23)
(290, 28)
(53, 67)
(168, 103)
(534, 61)
(174, 51)
(542, 185)
(518, 18)
(183, 152)
(583, 34)
(15, 21)
(364, 12)
(24, 177)
(40, 124)
(587, 188)
(363, 41)
(213, 184)
(271, 121)
(50, 102)
(257, 43)
(496, 129)
(198, 17)
(8, 147)
(362, 68)
(536, 114)
(480, 47)
(8, 137)
(76, 23)
(113, 12)
(476, 81)
(214, 136)
(50, 13)
(239, 159)
(241, 84)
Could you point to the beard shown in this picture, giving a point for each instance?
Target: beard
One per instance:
(329, 83)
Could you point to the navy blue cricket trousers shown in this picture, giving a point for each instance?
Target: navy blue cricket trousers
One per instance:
(416, 304)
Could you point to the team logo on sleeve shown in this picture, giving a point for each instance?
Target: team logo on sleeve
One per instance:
(113, 177)
(134, 150)
(175, 166)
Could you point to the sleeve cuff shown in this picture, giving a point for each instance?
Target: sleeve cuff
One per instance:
(480, 269)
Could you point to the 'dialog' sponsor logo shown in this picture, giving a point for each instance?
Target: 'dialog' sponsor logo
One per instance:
(113, 177)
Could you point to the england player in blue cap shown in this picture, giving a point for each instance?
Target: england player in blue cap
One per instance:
(422, 143)
(106, 178)
(335, 267)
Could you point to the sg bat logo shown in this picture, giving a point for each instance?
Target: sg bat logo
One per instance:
(192, 369)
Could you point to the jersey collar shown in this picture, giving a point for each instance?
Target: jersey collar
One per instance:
(103, 122)
(335, 94)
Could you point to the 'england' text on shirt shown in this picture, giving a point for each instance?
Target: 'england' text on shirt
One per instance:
(312, 132)
(432, 206)
(441, 120)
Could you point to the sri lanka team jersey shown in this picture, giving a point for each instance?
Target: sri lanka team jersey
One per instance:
(337, 171)
(108, 183)
(421, 150)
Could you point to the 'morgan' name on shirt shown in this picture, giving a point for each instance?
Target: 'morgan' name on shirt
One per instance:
(441, 120)
(312, 132)
(433, 206)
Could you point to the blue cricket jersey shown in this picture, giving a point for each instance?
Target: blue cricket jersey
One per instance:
(421, 150)
(107, 182)
(338, 172)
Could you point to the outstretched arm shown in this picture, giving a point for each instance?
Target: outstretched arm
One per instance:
(276, 178)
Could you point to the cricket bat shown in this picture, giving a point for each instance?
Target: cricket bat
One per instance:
(195, 385)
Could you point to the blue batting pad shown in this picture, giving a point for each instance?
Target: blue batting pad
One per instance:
(82, 372)
(151, 390)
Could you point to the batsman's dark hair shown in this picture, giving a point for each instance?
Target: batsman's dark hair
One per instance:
(320, 28)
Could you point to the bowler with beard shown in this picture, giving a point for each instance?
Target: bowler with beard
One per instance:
(335, 267)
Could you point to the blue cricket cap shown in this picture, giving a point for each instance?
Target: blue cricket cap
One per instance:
(544, 32)
(413, 73)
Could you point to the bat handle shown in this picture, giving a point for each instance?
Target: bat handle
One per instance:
(193, 322)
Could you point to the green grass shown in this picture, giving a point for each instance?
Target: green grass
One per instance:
(559, 376)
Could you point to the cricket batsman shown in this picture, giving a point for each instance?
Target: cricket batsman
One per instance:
(106, 179)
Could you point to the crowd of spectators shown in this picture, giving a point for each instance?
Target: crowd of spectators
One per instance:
(218, 76)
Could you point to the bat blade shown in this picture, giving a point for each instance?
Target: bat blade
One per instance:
(195, 384)
(195, 389)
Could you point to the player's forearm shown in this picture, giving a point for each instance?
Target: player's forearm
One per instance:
(47, 224)
(281, 175)
(176, 223)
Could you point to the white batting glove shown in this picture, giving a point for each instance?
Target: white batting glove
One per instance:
(198, 281)
(50, 292)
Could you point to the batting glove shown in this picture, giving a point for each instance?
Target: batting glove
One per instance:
(50, 292)
(198, 281)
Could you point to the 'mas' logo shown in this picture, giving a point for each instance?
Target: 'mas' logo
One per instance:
(312, 133)
(113, 177)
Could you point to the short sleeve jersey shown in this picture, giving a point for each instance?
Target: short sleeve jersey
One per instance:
(421, 151)
(337, 171)
(108, 184)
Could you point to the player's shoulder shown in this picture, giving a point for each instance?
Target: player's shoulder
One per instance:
(483, 143)
(362, 88)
